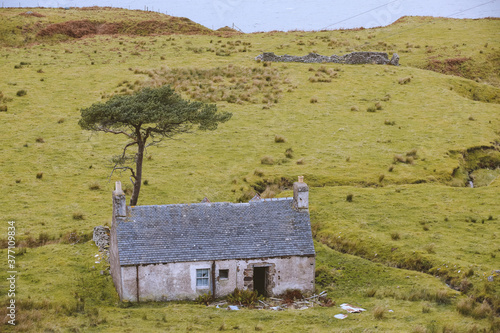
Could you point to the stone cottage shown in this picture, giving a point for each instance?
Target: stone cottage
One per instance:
(173, 252)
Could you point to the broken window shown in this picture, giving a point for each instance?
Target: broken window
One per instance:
(202, 277)
(223, 273)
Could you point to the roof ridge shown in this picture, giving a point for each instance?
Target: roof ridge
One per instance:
(216, 203)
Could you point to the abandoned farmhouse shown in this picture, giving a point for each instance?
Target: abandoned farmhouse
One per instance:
(180, 251)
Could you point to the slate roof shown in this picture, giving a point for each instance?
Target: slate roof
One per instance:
(214, 231)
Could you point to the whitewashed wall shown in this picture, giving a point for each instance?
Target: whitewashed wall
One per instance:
(177, 281)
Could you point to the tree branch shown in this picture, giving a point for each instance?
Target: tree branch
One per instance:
(108, 130)
(123, 168)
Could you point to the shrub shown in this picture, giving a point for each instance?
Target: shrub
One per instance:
(313, 100)
(39, 175)
(94, 186)
(442, 297)
(279, 139)
(267, 160)
(371, 292)
(381, 178)
(3, 108)
(465, 285)
(395, 236)
(40, 140)
(258, 173)
(145, 182)
(243, 297)
(205, 299)
(378, 106)
(482, 311)
(349, 198)
(430, 248)
(399, 158)
(412, 152)
(354, 108)
(289, 153)
(404, 80)
(465, 306)
(379, 312)
(78, 216)
(21, 93)
(71, 238)
(426, 308)
(371, 109)
(61, 120)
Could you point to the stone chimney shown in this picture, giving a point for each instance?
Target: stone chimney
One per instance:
(301, 194)
(119, 202)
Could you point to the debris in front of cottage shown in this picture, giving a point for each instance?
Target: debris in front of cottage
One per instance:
(351, 308)
(292, 299)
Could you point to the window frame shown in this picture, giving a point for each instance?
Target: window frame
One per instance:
(202, 282)
(226, 274)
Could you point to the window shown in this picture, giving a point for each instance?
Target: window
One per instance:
(202, 277)
(223, 273)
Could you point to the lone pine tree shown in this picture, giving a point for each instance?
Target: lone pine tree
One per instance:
(146, 118)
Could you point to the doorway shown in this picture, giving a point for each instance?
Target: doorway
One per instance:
(260, 280)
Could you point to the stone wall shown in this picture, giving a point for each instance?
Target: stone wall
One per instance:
(354, 58)
(177, 281)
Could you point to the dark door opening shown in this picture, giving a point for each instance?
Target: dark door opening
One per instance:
(260, 280)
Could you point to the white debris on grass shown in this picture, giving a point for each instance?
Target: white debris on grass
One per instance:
(351, 309)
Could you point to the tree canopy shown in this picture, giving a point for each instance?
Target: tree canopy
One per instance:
(151, 114)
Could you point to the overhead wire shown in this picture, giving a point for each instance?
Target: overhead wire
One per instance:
(399, 32)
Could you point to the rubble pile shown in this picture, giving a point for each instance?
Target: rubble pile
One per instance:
(281, 303)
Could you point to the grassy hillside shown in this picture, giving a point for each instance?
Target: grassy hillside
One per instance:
(387, 151)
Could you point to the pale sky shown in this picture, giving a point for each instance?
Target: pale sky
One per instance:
(266, 15)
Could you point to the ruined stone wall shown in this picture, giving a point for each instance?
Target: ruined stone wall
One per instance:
(354, 58)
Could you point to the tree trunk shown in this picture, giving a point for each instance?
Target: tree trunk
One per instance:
(138, 173)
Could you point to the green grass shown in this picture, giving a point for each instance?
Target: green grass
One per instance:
(409, 206)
